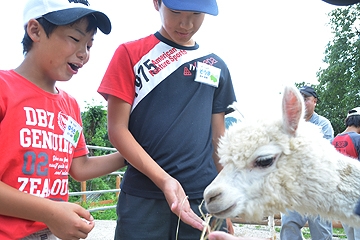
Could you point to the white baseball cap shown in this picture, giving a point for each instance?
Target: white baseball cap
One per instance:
(353, 112)
(63, 12)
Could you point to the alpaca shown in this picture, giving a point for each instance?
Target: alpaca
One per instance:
(270, 166)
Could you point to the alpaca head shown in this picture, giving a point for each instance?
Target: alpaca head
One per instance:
(264, 163)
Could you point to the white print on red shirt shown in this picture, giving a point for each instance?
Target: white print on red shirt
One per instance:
(38, 137)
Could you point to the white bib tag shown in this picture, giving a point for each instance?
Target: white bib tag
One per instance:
(72, 131)
(207, 74)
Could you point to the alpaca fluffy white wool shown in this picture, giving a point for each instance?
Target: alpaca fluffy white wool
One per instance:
(270, 166)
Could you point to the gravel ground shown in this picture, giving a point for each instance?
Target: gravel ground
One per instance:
(260, 231)
(104, 230)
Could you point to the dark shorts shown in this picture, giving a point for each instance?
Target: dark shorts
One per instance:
(151, 219)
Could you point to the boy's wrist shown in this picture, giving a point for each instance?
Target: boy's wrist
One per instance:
(162, 180)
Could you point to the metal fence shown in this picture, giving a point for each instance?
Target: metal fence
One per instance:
(83, 193)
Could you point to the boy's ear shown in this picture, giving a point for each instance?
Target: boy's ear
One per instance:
(156, 4)
(33, 29)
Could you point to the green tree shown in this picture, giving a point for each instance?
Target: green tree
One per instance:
(94, 120)
(95, 127)
(339, 84)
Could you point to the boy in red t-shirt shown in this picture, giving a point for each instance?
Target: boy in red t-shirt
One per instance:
(41, 136)
(348, 143)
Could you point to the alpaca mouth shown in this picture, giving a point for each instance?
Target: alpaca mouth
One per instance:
(228, 212)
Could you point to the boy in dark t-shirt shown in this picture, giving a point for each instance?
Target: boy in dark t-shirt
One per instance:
(167, 98)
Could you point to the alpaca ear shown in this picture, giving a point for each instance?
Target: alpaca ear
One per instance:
(292, 106)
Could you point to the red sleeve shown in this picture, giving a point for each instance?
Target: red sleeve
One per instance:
(119, 78)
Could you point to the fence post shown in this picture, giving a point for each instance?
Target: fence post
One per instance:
(83, 189)
(118, 181)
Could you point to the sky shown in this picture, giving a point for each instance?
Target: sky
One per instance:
(266, 45)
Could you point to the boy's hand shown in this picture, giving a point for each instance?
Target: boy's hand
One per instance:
(179, 204)
(70, 221)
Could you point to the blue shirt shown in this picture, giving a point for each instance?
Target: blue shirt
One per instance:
(324, 124)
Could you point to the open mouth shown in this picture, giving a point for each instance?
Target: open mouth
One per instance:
(74, 66)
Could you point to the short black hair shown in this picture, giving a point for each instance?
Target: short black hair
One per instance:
(353, 120)
(50, 27)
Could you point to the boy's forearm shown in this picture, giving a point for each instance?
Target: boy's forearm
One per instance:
(218, 130)
(216, 158)
(17, 204)
(85, 168)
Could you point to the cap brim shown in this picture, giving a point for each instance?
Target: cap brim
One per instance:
(306, 94)
(342, 2)
(204, 6)
(70, 15)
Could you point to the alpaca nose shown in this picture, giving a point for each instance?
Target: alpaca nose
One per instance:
(211, 195)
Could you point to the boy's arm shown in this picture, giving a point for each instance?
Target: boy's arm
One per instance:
(218, 130)
(62, 218)
(84, 168)
(124, 142)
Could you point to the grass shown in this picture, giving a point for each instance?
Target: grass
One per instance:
(108, 214)
(337, 232)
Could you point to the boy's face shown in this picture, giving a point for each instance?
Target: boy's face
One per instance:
(65, 51)
(179, 26)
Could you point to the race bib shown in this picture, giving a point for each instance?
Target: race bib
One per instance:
(72, 131)
(207, 74)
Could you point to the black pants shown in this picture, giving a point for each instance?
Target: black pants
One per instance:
(152, 219)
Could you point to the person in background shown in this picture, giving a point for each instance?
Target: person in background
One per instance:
(348, 143)
(41, 135)
(292, 222)
(167, 98)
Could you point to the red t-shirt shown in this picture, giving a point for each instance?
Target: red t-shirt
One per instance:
(34, 156)
(347, 144)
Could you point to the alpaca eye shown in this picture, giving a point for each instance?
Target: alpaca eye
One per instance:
(264, 161)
